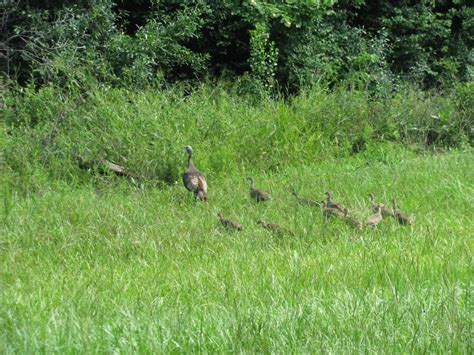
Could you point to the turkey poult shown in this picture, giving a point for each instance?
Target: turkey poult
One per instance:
(193, 179)
(334, 212)
(352, 221)
(333, 204)
(377, 217)
(306, 201)
(229, 224)
(257, 194)
(401, 218)
(276, 229)
(385, 211)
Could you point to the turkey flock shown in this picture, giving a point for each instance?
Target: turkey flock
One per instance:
(195, 182)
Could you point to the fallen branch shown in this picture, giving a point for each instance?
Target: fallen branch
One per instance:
(104, 167)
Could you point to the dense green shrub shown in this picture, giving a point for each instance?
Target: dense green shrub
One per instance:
(431, 41)
(281, 45)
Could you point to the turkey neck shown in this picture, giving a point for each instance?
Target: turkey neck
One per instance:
(251, 184)
(190, 162)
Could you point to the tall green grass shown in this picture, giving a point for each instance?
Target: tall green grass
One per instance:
(43, 130)
(92, 263)
(108, 267)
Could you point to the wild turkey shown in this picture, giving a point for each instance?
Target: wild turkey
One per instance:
(103, 166)
(276, 229)
(333, 204)
(229, 224)
(257, 194)
(334, 212)
(385, 211)
(193, 179)
(342, 214)
(377, 217)
(401, 218)
(352, 221)
(306, 201)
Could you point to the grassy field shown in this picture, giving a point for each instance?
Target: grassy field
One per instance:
(105, 266)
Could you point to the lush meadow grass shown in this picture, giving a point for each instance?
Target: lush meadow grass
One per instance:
(104, 266)
(94, 263)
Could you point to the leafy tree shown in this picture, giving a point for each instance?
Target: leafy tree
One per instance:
(276, 44)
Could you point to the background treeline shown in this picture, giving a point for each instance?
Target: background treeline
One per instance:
(270, 45)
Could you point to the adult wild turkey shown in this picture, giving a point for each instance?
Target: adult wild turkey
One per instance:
(229, 224)
(193, 179)
(257, 194)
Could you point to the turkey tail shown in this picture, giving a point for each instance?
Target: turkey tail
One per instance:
(202, 189)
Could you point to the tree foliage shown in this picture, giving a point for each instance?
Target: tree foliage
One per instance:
(278, 44)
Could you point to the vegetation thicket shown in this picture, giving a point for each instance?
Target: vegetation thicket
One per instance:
(102, 248)
(45, 130)
(282, 45)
